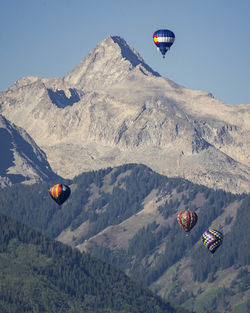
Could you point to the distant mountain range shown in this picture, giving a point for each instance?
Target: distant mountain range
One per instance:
(113, 109)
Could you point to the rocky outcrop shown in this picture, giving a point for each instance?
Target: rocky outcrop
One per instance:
(21, 160)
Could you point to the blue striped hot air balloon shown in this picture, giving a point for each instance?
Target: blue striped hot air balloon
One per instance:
(163, 39)
(212, 239)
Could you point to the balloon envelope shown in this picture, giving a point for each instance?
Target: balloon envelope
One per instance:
(187, 219)
(163, 39)
(212, 239)
(60, 193)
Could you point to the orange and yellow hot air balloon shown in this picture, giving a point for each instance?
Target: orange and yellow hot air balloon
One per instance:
(60, 193)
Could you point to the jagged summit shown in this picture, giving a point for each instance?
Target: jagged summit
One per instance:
(130, 54)
(109, 62)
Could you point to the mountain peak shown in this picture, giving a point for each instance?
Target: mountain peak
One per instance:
(112, 109)
(130, 54)
(110, 61)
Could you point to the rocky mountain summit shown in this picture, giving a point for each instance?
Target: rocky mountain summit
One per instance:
(114, 109)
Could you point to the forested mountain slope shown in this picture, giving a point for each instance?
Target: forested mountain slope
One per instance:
(127, 216)
(38, 275)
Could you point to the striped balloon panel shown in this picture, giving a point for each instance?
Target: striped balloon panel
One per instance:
(163, 39)
(55, 191)
(60, 193)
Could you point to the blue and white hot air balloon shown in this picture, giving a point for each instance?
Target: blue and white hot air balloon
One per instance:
(163, 39)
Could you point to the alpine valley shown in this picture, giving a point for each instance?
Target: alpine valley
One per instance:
(135, 148)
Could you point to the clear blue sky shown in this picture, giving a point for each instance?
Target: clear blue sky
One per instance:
(48, 38)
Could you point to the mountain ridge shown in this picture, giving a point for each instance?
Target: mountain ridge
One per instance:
(110, 110)
(126, 216)
(21, 159)
(116, 59)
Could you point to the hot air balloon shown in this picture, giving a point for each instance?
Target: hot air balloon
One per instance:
(187, 219)
(60, 193)
(212, 239)
(163, 39)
